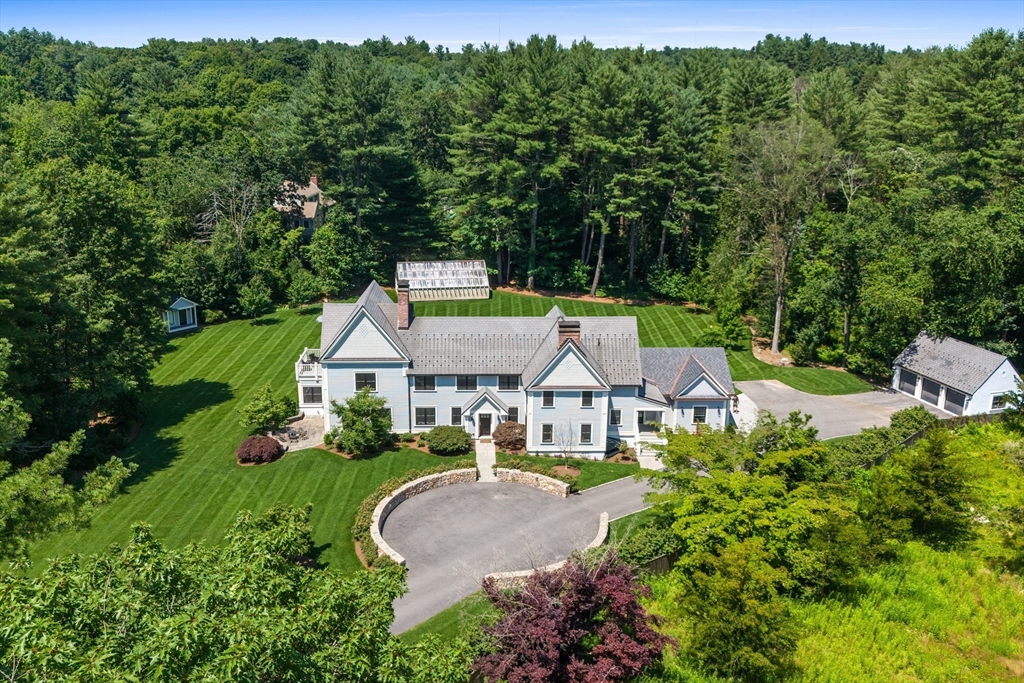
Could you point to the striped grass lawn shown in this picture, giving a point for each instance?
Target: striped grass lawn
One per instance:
(188, 486)
(658, 326)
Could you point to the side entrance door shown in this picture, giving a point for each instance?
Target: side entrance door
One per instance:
(484, 419)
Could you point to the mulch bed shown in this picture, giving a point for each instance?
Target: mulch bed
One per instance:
(563, 471)
(627, 458)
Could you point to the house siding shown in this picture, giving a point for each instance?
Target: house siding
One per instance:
(717, 413)
(567, 413)
(392, 386)
(1002, 381)
(446, 396)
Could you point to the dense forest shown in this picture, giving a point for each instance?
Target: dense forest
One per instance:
(845, 196)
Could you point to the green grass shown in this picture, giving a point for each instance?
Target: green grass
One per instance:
(658, 326)
(619, 529)
(592, 472)
(456, 621)
(188, 486)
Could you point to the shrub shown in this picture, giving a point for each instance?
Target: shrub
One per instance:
(365, 424)
(581, 622)
(263, 412)
(257, 450)
(408, 437)
(448, 440)
(510, 436)
(330, 436)
(254, 299)
(212, 317)
(305, 287)
(647, 543)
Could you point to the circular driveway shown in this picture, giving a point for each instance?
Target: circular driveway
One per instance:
(452, 537)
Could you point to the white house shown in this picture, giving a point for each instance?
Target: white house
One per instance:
(955, 376)
(576, 383)
(181, 315)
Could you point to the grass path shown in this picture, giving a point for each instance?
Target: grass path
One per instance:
(188, 486)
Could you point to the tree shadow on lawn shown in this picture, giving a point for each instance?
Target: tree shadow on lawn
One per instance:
(167, 406)
(310, 310)
(265, 322)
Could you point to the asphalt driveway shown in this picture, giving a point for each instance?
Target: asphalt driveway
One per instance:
(452, 537)
(832, 415)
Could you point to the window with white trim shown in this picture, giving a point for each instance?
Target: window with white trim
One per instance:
(465, 382)
(508, 382)
(457, 416)
(615, 416)
(586, 399)
(312, 395)
(426, 417)
(513, 414)
(700, 415)
(547, 433)
(998, 401)
(586, 434)
(366, 380)
(547, 399)
(424, 383)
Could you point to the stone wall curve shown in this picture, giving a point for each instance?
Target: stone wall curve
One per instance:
(537, 481)
(405, 492)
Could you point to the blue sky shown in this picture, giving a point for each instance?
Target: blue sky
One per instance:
(453, 23)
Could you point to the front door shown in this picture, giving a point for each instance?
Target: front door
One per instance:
(485, 424)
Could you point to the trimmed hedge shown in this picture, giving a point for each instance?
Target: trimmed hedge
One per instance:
(257, 450)
(537, 468)
(510, 436)
(364, 514)
(448, 440)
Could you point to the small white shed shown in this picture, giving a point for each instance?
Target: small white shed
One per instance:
(181, 315)
(957, 377)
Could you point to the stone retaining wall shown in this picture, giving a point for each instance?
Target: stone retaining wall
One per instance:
(403, 493)
(537, 481)
(506, 580)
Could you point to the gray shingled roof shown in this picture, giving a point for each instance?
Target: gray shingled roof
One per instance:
(494, 345)
(957, 364)
(378, 306)
(674, 369)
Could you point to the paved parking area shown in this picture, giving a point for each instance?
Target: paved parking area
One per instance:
(452, 537)
(832, 415)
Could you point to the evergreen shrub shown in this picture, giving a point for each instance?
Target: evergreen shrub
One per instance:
(448, 440)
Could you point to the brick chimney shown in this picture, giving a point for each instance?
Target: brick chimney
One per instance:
(568, 329)
(405, 312)
(312, 180)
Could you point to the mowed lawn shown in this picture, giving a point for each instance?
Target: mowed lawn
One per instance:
(658, 326)
(189, 488)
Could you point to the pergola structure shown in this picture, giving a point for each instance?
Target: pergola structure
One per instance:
(444, 280)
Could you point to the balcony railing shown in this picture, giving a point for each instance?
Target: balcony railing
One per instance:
(308, 366)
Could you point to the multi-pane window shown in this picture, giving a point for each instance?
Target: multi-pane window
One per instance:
(457, 416)
(998, 401)
(700, 415)
(426, 417)
(586, 433)
(508, 382)
(547, 433)
(312, 395)
(423, 382)
(587, 399)
(615, 416)
(465, 382)
(366, 380)
(513, 414)
(548, 399)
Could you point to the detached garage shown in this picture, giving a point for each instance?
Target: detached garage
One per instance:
(954, 376)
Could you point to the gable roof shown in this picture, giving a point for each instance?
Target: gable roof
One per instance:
(672, 370)
(556, 358)
(180, 303)
(952, 362)
(301, 199)
(487, 394)
(377, 305)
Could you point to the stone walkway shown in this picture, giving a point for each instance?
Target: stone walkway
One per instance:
(485, 460)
